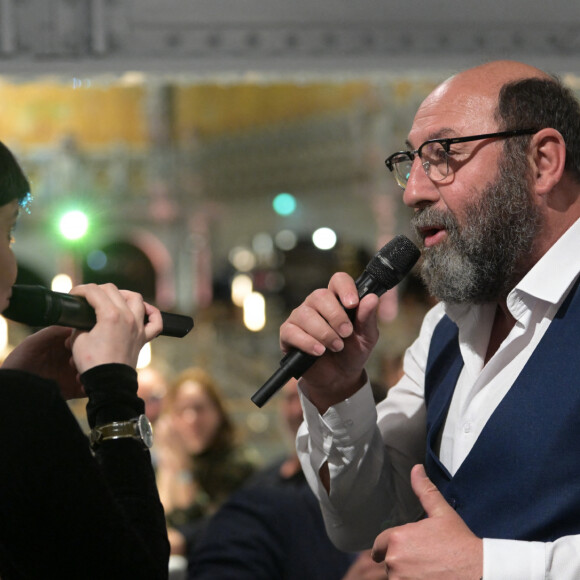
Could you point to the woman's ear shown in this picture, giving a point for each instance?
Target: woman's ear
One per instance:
(548, 158)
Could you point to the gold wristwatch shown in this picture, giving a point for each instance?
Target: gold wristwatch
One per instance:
(138, 428)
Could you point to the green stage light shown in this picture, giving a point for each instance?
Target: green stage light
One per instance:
(74, 225)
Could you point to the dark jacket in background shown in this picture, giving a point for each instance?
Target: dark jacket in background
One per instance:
(268, 533)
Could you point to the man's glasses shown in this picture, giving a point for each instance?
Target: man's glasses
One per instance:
(434, 155)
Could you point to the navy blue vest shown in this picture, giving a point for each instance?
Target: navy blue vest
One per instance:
(521, 480)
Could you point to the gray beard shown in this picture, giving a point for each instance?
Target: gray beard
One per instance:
(485, 258)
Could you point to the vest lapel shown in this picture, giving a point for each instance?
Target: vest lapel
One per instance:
(444, 365)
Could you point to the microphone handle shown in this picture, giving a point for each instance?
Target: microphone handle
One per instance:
(67, 310)
(38, 306)
(293, 365)
(296, 362)
(176, 325)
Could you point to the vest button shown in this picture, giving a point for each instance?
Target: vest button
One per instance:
(452, 502)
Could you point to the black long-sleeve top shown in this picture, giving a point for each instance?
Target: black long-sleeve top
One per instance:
(64, 512)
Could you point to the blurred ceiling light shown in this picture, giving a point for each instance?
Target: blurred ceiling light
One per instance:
(286, 240)
(262, 244)
(242, 259)
(61, 283)
(3, 337)
(144, 358)
(324, 238)
(284, 204)
(254, 312)
(97, 260)
(74, 224)
(242, 285)
(132, 78)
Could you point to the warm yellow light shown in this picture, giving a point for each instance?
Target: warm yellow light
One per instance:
(242, 285)
(255, 312)
(243, 259)
(61, 283)
(144, 358)
(3, 337)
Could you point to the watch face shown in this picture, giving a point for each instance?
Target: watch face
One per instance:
(146, 431)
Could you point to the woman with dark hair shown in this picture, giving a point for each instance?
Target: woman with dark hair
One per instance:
(200, 462)
(67, 511)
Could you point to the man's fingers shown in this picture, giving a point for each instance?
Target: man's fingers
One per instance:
(430, 497)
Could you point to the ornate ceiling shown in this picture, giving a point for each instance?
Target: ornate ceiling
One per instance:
(207, 37)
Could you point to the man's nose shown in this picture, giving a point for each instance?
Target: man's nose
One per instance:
(420, 190)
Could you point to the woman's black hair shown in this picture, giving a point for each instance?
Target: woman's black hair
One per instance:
(13, 182)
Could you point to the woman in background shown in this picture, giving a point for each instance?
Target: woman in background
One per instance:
(199, 461)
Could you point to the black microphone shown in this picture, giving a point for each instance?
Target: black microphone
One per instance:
(387, 268)
(38, 306)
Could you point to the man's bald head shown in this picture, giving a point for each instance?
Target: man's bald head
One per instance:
(491, 76)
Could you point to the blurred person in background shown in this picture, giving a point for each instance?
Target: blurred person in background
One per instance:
(273, 527)
(66, 511)
(152, 388)
(287, 469)
(200, 463)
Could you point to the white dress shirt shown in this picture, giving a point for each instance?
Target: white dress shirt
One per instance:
(370, 452)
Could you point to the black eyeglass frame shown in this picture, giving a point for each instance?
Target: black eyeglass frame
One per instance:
(446, 143)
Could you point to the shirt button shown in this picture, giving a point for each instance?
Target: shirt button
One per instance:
(348, 423)
(467, 428)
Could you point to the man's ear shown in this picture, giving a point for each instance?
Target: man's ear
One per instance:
(548, 158)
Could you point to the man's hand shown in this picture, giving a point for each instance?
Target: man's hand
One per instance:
(364, 568)
(321, 325)
(439, 547)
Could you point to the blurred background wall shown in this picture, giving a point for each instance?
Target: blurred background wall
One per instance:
(206, 142)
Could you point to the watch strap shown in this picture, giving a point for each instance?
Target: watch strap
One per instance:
(138, 428)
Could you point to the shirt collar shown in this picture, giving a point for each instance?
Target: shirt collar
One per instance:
(555, 272)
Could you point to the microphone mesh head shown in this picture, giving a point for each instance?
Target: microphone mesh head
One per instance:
(394, 261)
(27, 305)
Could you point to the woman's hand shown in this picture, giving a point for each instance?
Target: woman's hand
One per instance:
(47, 353)
(120, 331)
(62, 354)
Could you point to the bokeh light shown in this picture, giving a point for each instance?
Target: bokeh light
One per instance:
(284, 204)
(74, 225)
(324, 238)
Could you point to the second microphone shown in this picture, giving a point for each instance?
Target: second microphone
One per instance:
(38, 306)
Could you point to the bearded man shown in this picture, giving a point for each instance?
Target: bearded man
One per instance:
(469, 469)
